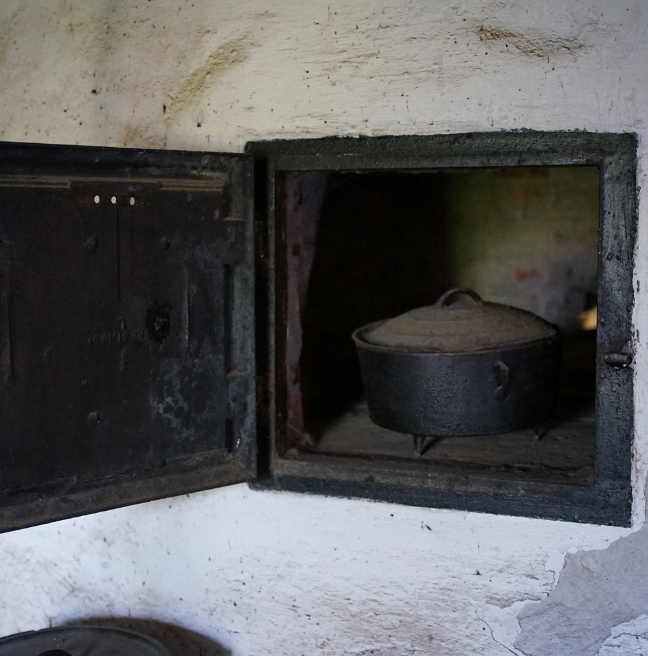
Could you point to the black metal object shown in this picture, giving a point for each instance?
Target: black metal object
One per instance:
(433, 376)
(451, 394)
(81, 641)
(609, 499)
(126, 327)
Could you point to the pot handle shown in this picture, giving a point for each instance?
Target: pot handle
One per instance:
(503, 380)
(443, 300)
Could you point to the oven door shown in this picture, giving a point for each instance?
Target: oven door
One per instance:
(126, 327)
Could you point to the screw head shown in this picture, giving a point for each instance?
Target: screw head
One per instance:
(93, 417)
(91, 243)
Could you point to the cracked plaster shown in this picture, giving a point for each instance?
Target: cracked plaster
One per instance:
(597, 591)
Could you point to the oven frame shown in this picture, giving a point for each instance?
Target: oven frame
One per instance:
(609, 500)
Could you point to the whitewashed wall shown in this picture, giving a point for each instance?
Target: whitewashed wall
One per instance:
(283, 574)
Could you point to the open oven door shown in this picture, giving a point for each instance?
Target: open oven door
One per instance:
(126, 327)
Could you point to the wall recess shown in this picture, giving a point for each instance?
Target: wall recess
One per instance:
(363, 229)
(129, 321)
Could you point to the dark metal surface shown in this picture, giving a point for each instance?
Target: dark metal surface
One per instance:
(450, 394)
(126, 327)
(609, 500)
(620, 360)
(81, 641)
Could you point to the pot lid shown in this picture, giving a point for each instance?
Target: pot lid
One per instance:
(81, 641)
(460, 322)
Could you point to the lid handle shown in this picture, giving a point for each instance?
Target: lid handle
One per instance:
(444, 301)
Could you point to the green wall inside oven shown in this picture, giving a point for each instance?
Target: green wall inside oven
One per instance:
(527, 237)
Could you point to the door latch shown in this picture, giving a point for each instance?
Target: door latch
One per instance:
(619, 360)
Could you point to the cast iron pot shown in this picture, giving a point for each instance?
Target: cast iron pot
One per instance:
(460, 367)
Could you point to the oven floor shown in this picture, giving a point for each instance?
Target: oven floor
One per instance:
(564, 455)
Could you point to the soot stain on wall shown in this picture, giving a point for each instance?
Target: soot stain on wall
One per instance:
(531, 42)
(597, 591)
(228, 54)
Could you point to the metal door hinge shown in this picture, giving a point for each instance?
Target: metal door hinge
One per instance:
(619, 360)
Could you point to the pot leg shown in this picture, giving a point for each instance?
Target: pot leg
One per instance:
(541, 431)
(423, 442)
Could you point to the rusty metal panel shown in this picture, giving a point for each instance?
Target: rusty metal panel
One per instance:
(126, 327)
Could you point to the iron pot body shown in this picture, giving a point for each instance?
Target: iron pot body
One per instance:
(451, 394)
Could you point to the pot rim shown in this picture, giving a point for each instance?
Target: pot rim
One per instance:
(358, 338)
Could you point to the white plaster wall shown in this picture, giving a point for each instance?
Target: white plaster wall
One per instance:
(283, 574)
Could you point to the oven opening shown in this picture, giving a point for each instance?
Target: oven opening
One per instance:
(358, 247)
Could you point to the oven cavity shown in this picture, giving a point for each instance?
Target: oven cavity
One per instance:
(363, 247)
(362, 231)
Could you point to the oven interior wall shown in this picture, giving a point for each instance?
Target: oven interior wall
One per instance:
(528, 238)
(358, 247)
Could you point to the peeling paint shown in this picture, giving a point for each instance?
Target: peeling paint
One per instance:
(627, 639)
(597, 591)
